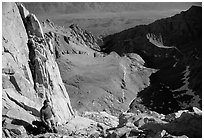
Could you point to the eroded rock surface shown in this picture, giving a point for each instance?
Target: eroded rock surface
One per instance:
(72, 40)
(29, 72)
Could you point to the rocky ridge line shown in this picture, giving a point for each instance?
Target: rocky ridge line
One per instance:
(72, 40)
(170, 45)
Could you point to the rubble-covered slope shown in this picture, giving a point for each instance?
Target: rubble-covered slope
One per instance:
(103, 83)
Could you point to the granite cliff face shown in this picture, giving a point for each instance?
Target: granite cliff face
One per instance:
(29, 72)
(173, 46)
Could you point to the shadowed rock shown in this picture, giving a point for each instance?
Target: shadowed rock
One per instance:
(173, 46)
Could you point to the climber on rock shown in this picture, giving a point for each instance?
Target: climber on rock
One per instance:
(46, 116)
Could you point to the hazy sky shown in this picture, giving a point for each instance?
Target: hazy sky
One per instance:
(116, 15)
(80, 7)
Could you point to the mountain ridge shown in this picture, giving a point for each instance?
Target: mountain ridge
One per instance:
(73, 7)
(105, 18)
(181, 31)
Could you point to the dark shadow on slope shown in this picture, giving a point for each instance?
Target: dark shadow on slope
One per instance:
(34, 111)
(36, 128)
(28, 127)
(13, 81)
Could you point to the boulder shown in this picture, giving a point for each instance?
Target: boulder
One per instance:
(95, 134)
(197, 111)
(152, 129)
(83, 127)
(122, 132)
(78, 123)
(189, 124)
(138, 120)
(126, 118)
(20, 131)
(135, 132)
(104, 119)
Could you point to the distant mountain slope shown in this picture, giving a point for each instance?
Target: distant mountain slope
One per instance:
(80, 7)
(105, 18)
(174, 46)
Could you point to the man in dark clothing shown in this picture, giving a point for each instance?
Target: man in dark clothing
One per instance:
(46, 116)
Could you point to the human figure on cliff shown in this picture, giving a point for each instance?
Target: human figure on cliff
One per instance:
(46, 116)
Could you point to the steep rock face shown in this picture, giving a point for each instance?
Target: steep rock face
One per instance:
(29, 72)
(88, 38)
(15, 51)
(46, 76)
(173, 46)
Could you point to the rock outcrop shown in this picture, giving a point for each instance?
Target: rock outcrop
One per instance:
(173, 46)
(87, 38)
(72, 40)
(29, 72)
(153, 125)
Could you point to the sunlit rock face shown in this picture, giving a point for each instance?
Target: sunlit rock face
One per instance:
(173, 46)
(29, 71)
